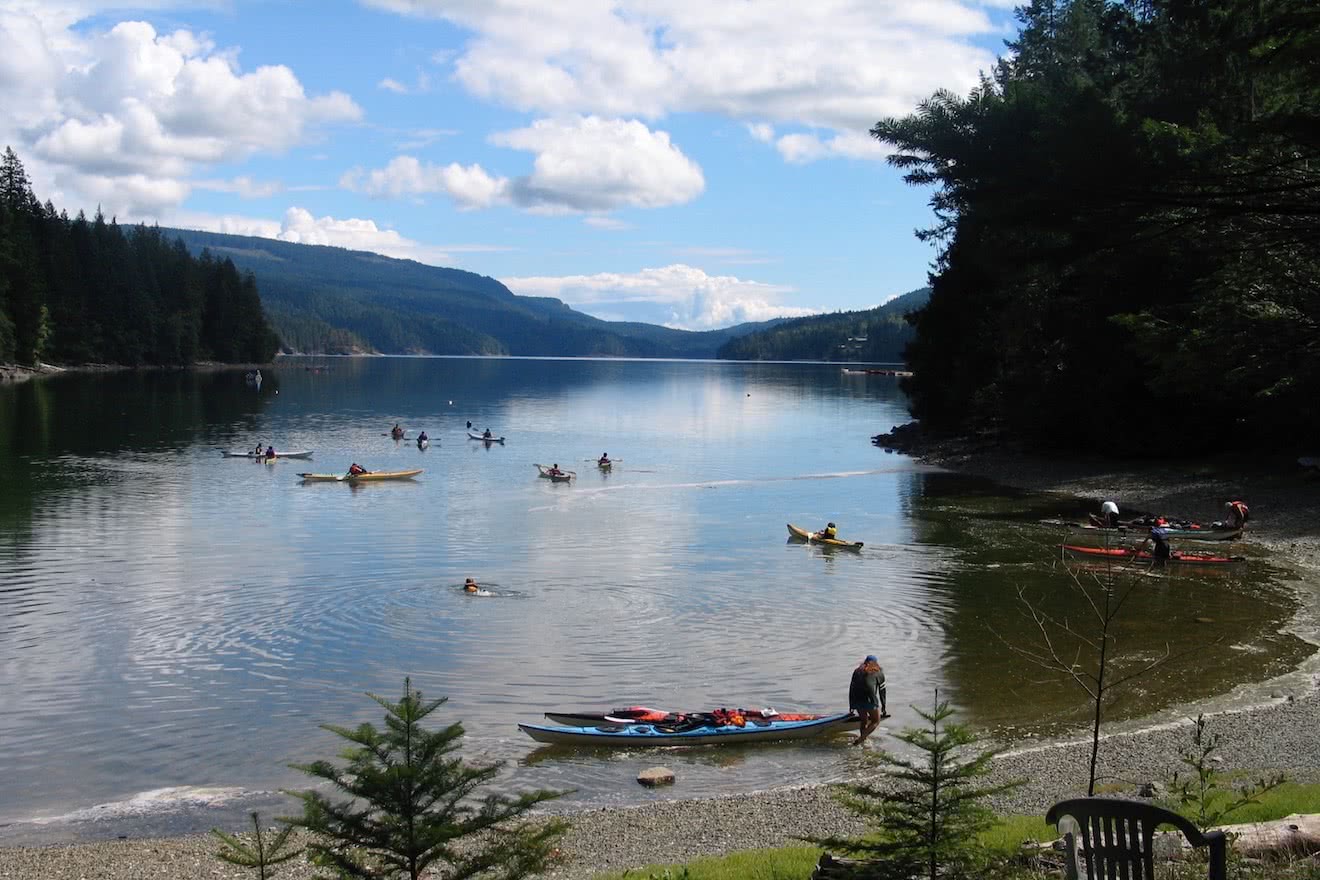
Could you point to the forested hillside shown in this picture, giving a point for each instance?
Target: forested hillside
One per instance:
(876, 335)
(333, 300)
(80, 291)
(1129, 218)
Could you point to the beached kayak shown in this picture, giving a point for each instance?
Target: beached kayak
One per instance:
(472, 436)
(1124, 554)
(302, 453)
(644, 735)
(372, 477)
(647, 715)
(1199, 533)
(802, 534)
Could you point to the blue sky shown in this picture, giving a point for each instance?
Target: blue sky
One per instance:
(683, 162)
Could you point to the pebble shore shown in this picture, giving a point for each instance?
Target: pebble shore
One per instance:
(1278, 736)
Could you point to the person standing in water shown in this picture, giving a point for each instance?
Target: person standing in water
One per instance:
(866, 696)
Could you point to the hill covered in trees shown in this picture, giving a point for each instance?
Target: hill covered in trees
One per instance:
(82, 291)
(877, 335)
(336, 301)
(1128, 210)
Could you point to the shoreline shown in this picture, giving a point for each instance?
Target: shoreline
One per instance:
(13, 374)
(1260, 735)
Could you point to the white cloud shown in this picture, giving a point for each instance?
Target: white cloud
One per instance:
(800, 148)
(687, 297)
(243, 186)
(582, 165)
(835, 66)
(301, 226)
(606, 222)
(393, 85)
(127, 114)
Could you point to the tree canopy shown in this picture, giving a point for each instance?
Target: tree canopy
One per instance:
(1128, 212)
(84, 291)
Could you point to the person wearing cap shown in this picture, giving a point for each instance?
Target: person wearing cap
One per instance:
(866, 696)
(830, 531)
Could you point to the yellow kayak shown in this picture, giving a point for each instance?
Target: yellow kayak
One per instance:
(811, 538)
(373, 476)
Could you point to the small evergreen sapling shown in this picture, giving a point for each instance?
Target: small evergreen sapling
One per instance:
(261, 854)
(929, 808)
(1201, 795)
(411, 810)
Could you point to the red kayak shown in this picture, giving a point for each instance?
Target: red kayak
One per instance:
(1124, 553)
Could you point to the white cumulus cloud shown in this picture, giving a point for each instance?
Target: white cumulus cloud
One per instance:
(582, 165)
(681, 296)
(129, 113)
(834, 66)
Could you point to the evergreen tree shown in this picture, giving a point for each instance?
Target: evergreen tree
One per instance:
(410, 807)
(261, 854)
(929, 809)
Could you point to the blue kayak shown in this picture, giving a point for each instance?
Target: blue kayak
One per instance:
(657, 735)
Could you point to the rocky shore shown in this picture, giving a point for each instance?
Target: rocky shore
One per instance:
(1278, 736)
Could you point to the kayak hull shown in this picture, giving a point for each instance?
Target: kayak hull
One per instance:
(302, 453)
(1123, 554)
(554, 478)
(651, 735)
(472, 436)
(801, 534)
(373, 477)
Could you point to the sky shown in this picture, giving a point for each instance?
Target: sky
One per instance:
(693, 163)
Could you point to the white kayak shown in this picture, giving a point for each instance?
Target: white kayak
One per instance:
(300, 453)
(472, 436)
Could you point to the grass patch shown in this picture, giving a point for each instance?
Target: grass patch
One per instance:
(1010, 832)
(783, 863)
(1289, 798)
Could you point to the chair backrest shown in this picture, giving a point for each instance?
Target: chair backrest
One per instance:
(1117, 835)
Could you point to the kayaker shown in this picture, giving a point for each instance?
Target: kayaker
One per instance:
(604, 459)
(422, 438)
(469, 426)
(1160, 550)
(830, 531)
(555, 471)
(270, 451)
(1109, 514)
(486, 435)
(259, 450)
(357, 470)
(866, 696)
(1235, 514)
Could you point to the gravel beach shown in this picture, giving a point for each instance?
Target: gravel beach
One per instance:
(1278, 736)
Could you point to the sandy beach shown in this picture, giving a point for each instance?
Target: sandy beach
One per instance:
(1277, 735)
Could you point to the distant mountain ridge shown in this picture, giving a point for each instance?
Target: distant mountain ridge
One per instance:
(333, 300)
(875, 335)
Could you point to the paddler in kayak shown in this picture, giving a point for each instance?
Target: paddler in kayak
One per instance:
(487, 435)
(357, 470)
(270, 452)
(866, 696)
(830, 531)
(604, 460)
(554, 471)
(1235, 514)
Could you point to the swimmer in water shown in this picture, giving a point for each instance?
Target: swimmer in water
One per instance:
(470, 586)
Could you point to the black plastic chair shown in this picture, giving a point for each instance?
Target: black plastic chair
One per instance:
(1116, 837)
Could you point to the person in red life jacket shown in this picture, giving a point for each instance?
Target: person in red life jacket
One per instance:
(866, 697)
(357, 470)
(1235, 514)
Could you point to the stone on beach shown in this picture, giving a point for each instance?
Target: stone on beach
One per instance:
(653, 776)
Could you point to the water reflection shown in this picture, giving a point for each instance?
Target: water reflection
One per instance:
(171, 617)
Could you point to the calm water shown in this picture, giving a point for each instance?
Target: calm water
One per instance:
(170, 619)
